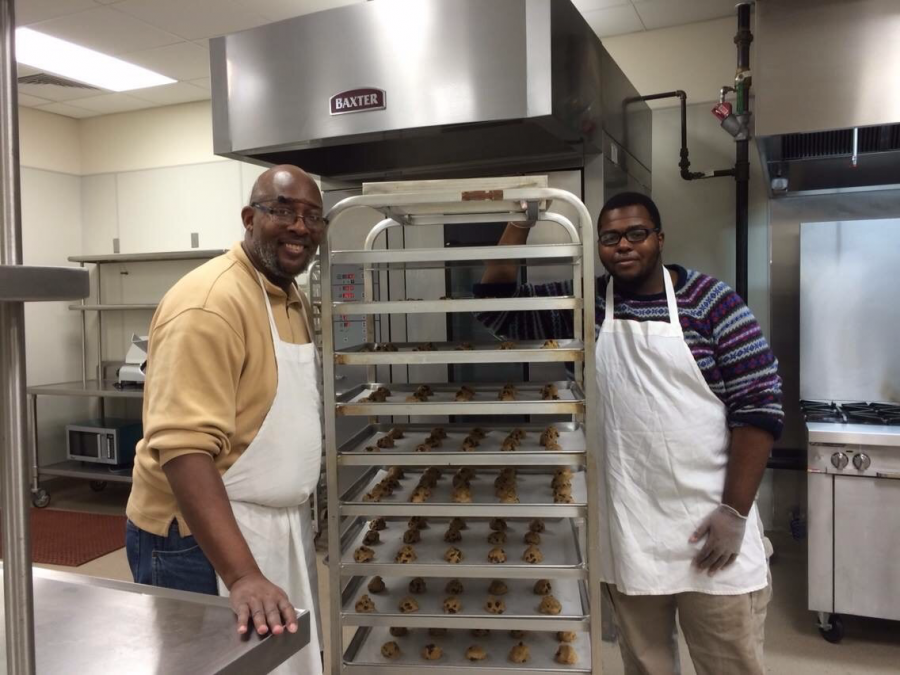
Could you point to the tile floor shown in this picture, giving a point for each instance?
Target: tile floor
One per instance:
(793, 644)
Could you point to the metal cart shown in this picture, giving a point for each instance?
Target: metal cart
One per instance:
(97, 385)
(570, 539)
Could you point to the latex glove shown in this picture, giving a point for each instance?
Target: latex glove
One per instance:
(724, 532)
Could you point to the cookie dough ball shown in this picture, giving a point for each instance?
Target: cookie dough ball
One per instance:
(363, 554)
(454, 587)
(453, 555)
(567, 636)
(553, 446)
(408, 605)
(517, 634)
(542, 587)
(532, 538)
(550, 605)
(480, 632)
(452, 536)
(462, 495)
(365, 605)
(476, 653)
(432, 652)
(399, 631)
(412, 537)
(550, 344)
(376, 585)
(372, 448)
(417, 523)
(536, 525)
(566, 655)
(563, 499)
(406, 554)
(438, 432)
(372, 537)
(460, 481)
(420, 495)
(437, 632)
(385, 442)
(417, 585)
(509, 498)
(395, 433)
(507, 344)
(497, 555)
(478, 432)
(519, 653)
(533, 555)
(423, 447)
(498, 587)
(498, 524)
(563, 472)
(495, 605)
(458, 524)
(452, 605)
(390, 650)
(497, 538)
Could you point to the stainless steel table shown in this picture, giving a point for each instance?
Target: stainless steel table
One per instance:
(89, 625)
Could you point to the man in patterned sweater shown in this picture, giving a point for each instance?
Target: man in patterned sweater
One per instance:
(689, 407)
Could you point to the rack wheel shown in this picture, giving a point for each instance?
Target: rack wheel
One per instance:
(832, 629)
(98, 485)
(40, 498)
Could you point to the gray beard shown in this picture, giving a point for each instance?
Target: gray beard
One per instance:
(267, 255)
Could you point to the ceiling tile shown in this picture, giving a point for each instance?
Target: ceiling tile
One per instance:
(30, 101)
(204, 82)
(52, 92)
(181, 61)
(112, 103)
(106, 30)
(67, 110)
(591, 5)
(193, 19)
(33, 11)
(24, 70)
(171, 94)
(664, 13)
(614, 21)
(276, 10)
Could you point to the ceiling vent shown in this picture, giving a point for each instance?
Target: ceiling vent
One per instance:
(55, 80)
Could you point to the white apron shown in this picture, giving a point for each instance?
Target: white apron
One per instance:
(663, 461)
(270, 484)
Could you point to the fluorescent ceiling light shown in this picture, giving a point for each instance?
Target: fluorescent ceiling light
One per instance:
(79, 63)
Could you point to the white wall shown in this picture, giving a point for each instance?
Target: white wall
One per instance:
(50, 154)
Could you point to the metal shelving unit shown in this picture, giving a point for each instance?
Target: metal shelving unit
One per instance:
(571, 536)
(96, 386)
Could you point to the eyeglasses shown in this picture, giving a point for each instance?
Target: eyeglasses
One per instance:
(287, 217)
(635, 235)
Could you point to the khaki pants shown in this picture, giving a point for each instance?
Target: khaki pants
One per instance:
(724, 633)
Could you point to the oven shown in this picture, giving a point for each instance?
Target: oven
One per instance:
(854, 499)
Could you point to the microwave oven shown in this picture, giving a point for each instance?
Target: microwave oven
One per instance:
(109, 441)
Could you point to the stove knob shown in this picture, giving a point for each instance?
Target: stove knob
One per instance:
(839, 460)
(862, 461)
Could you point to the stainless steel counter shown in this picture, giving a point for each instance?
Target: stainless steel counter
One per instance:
(89, 625)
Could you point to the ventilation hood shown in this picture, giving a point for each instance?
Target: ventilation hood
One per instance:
(827, 108)
(426, 87)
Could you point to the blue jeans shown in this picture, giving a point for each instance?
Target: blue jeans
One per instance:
(173, 561)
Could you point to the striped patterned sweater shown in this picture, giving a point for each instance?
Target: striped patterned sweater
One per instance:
(723, 335)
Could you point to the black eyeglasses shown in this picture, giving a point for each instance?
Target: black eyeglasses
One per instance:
(287, 216)
(633, 234)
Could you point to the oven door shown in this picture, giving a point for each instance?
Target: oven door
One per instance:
(866, 545)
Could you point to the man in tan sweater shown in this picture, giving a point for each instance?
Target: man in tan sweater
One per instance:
(232, 432)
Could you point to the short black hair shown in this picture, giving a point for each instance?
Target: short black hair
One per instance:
(624, 199)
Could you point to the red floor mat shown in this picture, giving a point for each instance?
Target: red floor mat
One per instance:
(73, 538)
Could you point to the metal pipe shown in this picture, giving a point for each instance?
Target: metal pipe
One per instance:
(18, 600)
(684, 163)
(742, 39)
